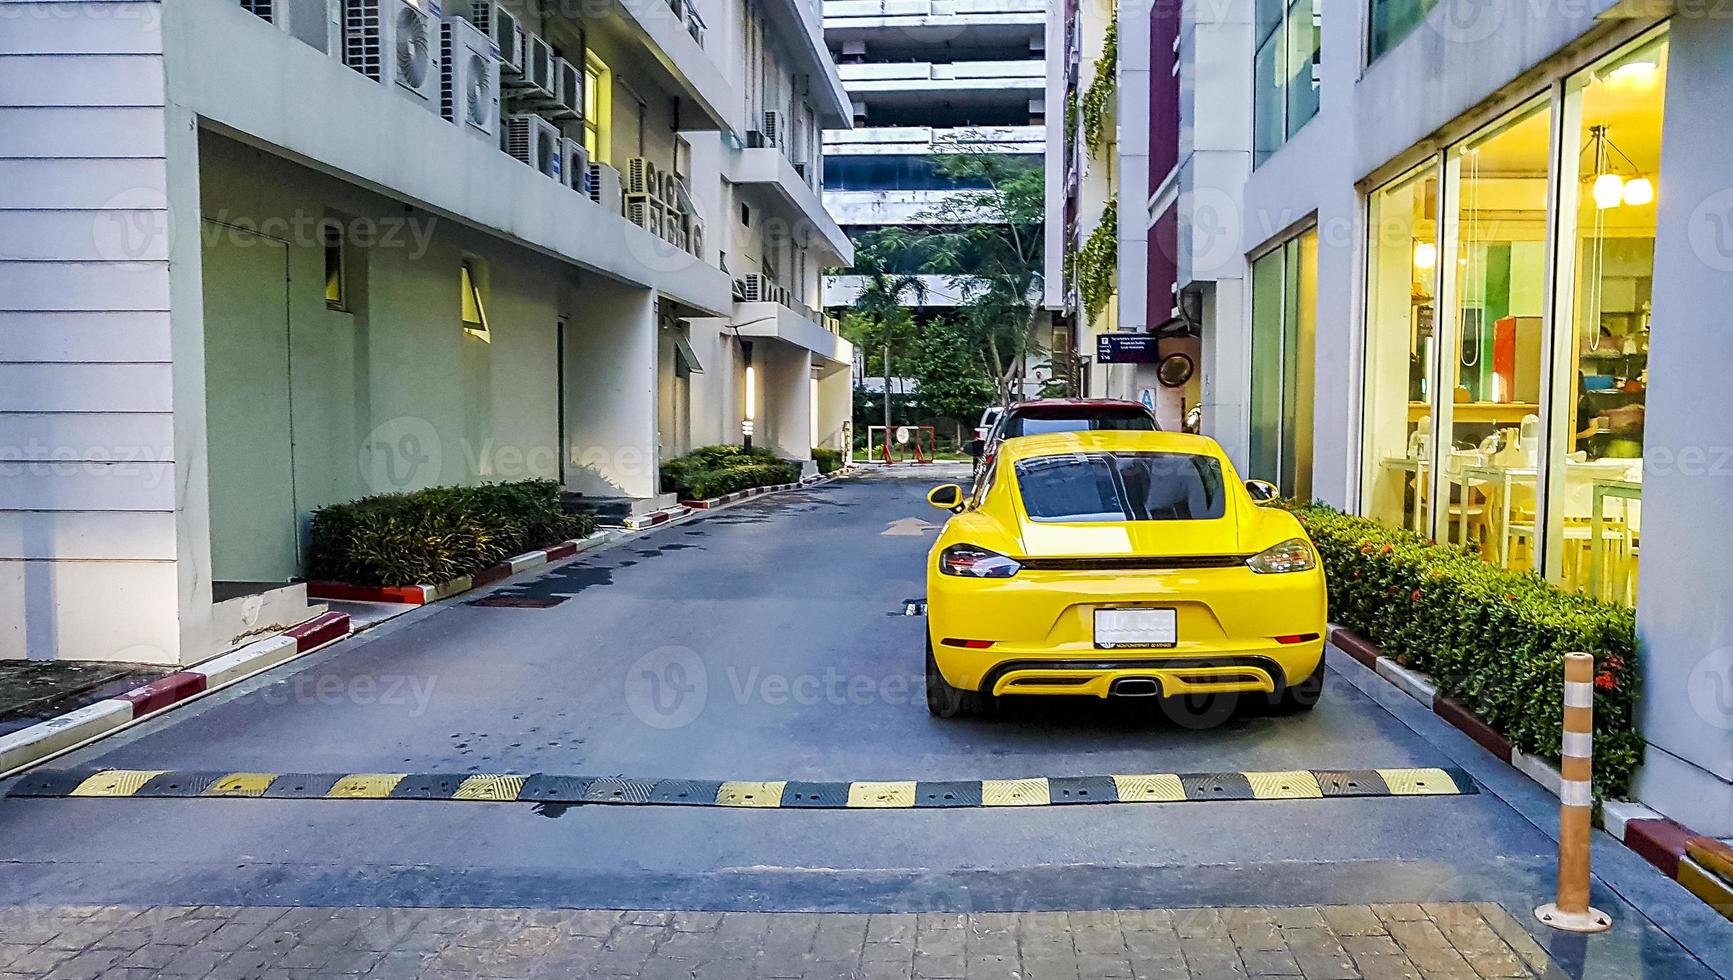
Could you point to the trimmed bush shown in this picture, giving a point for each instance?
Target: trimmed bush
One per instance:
(1494, 640)
(828, 460)
(438, 534)
(716, 470)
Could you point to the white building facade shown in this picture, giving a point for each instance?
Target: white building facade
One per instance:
(1464, 267)
(267, 258)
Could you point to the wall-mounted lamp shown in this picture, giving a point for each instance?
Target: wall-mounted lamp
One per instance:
(1425, 256)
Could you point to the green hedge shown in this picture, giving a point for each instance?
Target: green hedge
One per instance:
(828, 460)
(716, 470)
(1493, 640)
(436, 535)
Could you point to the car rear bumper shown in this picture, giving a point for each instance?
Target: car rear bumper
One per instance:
(1114, 673)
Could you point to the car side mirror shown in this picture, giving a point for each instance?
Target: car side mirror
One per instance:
(1262, 491)
(948, 496)
(975, 447)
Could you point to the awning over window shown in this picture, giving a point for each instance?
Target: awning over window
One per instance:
(683, 351)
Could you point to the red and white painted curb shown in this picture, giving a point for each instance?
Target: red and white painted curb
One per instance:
(739, 495)
(1704, 865)
(31, 745)
(421, 595)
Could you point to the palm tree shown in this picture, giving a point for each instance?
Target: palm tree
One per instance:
(879, 261)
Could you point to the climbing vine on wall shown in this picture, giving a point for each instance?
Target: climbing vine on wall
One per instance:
(1071, 111)
(1098, 260)
(1097, 101)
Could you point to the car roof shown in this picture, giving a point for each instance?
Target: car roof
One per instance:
(1115, 403)
(1108, 441)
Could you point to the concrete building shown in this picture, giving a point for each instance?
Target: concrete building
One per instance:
(262, 258)
(1478, 255)
(924, 78)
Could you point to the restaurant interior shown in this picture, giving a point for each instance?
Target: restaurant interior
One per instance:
(1530, 451)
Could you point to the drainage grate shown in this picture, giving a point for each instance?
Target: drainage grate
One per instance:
(518, 601)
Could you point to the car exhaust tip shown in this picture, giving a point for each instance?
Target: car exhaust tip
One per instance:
(1135, 687)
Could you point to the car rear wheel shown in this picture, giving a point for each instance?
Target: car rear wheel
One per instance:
(946, 701)
(1304, 695)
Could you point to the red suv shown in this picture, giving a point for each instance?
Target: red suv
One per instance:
(1060, 415)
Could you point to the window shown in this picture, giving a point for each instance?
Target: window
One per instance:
(1039, 422)
(336, 297)
(1392, 20)
(1284, 72)
(1533, 243)
(474, 310)
(1284, 325)
(1401, 349)
(598, 106)
(1101, 487)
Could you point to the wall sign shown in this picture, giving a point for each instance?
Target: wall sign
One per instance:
(1125, 348)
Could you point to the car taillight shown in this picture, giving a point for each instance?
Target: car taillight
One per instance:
(972, 562)
(1292, 555)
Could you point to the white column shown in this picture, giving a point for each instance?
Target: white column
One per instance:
(611, 392)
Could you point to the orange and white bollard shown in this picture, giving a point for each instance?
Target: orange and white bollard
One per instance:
(1571, 912)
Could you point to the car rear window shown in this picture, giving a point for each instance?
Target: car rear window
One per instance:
(1079, 420)
(1084, 487)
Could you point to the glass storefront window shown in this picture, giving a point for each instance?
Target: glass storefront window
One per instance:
(1479, 327)
(1393, 20)
(1493, 367)
(1612, 114)
(1284, 328)
(1401, 348)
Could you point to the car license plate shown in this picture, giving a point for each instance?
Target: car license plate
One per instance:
(1115, 628)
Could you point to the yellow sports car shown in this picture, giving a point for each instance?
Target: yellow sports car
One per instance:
(1119, 563)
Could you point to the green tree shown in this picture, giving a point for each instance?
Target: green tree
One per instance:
(952, 379)
(987, 241)
(879, 322)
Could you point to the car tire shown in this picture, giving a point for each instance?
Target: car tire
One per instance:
(946, 701)
(1304, 696)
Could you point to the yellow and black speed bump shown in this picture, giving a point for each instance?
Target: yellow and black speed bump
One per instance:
(1295, 784)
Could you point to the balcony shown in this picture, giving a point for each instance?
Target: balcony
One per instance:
(901, 140)
(920, 13)
(670, 35)
(798, 326)
(798, 24)
(794, 189)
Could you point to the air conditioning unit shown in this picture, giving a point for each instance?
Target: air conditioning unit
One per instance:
(567, 99)
(536, 142)
(502, 29)
(648, 215)
(760, 288)
(773, 128)
(605, 187)
(395, 43)
(468, 78)
(536, 84)
(316, 23)
(642, 177)
(576, 166)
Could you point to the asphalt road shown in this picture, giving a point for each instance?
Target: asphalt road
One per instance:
(769, 641)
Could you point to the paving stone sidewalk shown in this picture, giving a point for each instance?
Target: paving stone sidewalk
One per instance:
(1425, 942)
